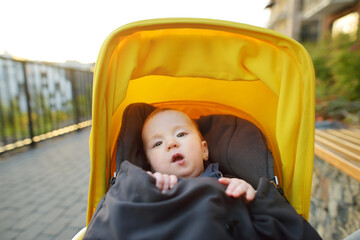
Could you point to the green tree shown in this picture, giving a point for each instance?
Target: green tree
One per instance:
(337, 67)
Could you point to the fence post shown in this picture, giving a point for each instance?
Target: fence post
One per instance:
(74, 94)
(28, 105)
(2, 120)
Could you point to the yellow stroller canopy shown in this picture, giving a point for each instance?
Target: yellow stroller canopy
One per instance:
(215, 66)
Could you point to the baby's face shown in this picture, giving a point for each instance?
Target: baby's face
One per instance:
(173, 146)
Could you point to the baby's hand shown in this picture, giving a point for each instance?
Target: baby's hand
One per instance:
(164, 182)
(238, 188)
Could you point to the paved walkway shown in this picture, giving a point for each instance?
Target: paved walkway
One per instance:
(43, 190)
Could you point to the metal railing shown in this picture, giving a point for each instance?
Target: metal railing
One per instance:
(40, 100)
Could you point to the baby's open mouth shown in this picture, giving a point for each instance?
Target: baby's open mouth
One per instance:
(177, 157)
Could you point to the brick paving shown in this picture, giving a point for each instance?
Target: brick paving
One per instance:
(43, 190)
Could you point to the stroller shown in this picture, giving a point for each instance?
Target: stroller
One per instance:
(206, 67)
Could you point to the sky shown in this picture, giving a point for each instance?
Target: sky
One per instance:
(61, 30)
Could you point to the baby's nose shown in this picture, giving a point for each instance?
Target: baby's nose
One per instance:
(172, 144)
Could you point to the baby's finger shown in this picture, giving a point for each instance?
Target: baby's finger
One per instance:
(250, 194)
(173, 181)
(239, 190)
(166, 184)
(224, 180)
(233, 185)
(159, 180)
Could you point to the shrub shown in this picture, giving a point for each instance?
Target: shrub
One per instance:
(337, 67)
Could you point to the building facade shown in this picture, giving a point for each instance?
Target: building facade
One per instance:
(310, 20)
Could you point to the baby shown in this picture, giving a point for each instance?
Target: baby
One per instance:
(176, 149)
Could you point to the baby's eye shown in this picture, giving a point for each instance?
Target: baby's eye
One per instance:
(182, 134)
(157, 144)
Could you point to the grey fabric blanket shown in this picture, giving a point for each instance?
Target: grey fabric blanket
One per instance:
(195, 208)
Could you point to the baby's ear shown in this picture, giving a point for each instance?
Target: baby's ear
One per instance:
(205, 150)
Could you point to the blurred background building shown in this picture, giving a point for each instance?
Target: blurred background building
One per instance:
(310, 20)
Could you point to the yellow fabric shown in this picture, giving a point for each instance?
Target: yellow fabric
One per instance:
(266, 75)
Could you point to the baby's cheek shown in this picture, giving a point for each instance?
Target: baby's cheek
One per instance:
(153, 162)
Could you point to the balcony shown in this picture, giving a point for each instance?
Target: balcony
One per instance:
(314, 8)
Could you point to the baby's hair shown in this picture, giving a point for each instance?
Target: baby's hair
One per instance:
(160, 110)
